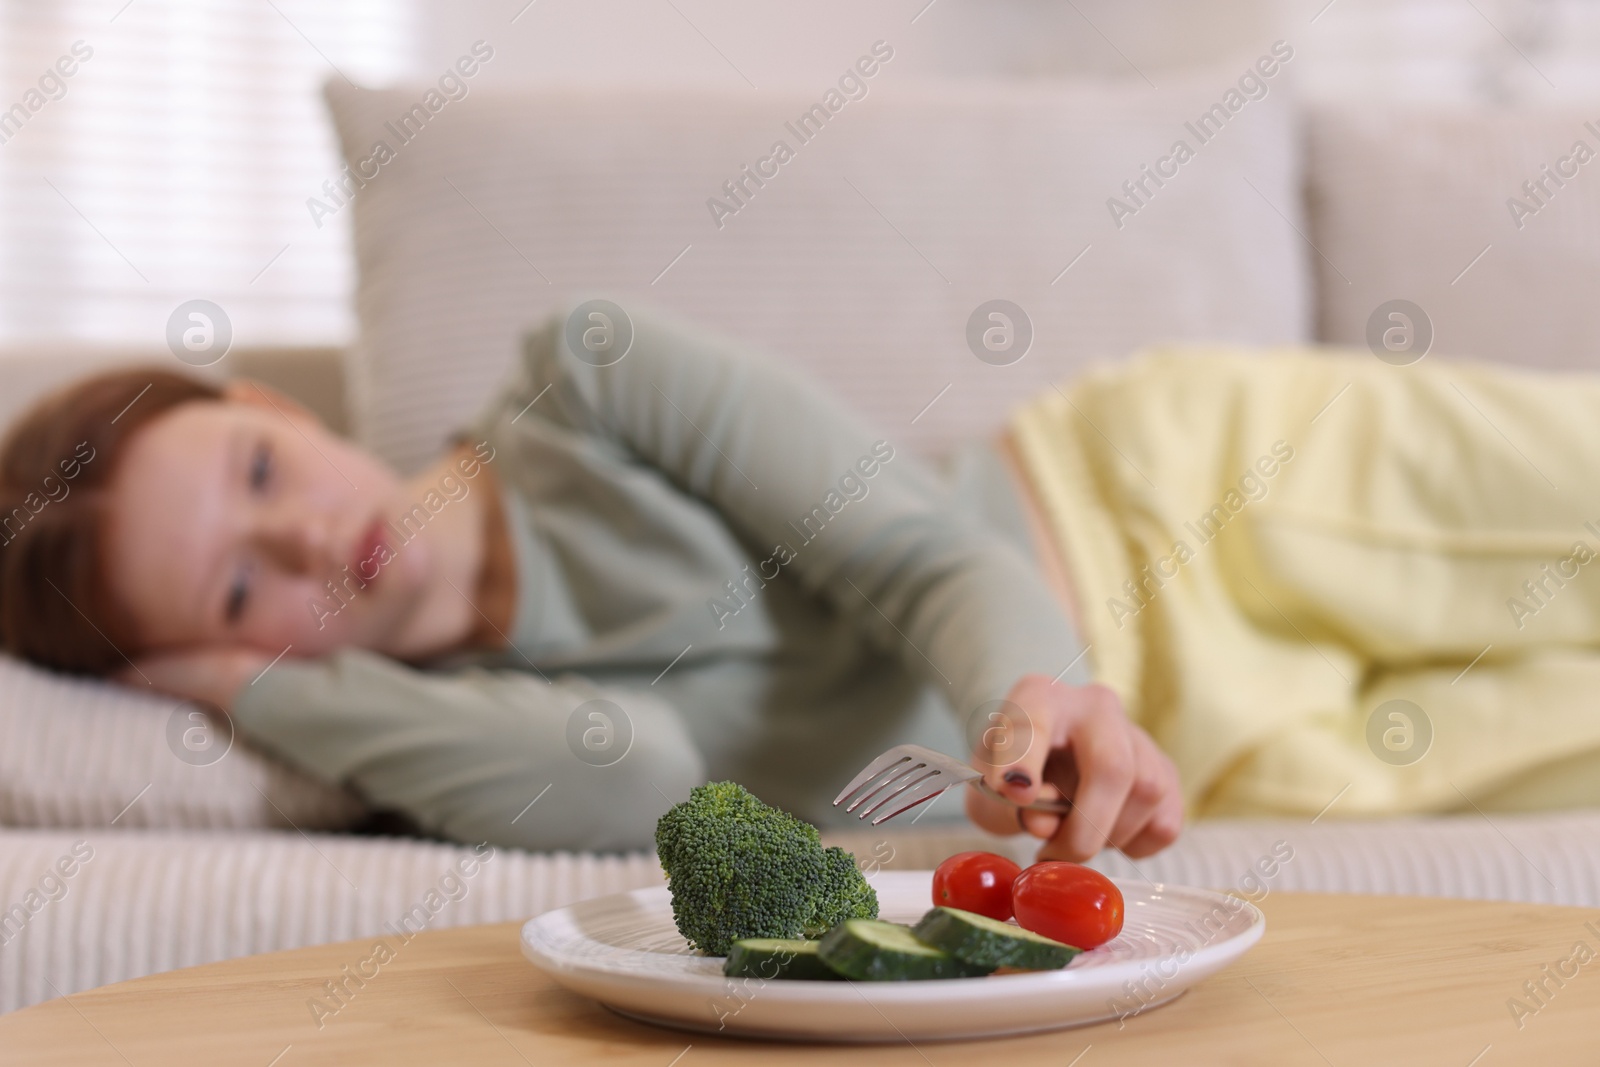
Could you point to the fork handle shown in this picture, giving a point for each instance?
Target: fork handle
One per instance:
(1059, 807)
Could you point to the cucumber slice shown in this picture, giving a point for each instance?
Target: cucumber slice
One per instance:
(981, 941)
(776, 957)
(871, 950)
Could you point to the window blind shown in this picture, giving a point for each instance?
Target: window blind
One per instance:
(174, 161)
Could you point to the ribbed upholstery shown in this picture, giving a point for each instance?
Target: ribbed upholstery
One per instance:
(1549, 858)
(78, 753)
(149, 901)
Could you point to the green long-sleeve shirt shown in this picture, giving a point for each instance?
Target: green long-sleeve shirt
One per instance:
(756, 586)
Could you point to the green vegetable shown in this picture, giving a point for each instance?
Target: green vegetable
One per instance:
(873, 951)
(980, 940)
(770, 957)
(738, 868)
(845, 894)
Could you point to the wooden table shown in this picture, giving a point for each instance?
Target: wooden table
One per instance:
(1337, 980)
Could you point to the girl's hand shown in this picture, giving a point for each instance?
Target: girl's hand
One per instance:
(211, 676)
(1074, 742)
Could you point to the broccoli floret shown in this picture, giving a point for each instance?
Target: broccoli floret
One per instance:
(845, 894)
(738, 868)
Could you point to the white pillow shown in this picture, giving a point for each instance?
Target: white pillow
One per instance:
(862, 257)
(1404, 201)
(77, 752)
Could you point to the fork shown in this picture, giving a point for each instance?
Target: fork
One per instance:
(919, 774)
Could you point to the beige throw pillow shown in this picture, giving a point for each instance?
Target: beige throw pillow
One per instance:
(863, 253)
(77, 752)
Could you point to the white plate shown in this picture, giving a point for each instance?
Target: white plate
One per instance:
(625, 952)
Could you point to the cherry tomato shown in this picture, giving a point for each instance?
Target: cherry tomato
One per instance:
(976, 881)
(1068, 903)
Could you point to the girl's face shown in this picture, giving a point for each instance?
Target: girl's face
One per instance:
(229, 520)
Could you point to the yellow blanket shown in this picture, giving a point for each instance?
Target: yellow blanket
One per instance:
(1319, 579)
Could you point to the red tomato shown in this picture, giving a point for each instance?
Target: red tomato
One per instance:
(976, 881)
(1068, 903)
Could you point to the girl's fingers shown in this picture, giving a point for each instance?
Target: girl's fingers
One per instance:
(1049, 740)
(1154, 781)
(1161, 831)
(1042, 824)
(1102, 747)
(211, 675)
(1162, 828)
(1013, 739)
(995, 816)
(999, 817)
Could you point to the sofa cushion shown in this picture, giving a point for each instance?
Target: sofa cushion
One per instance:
(1404, 200)
(83, 753)
(862, 256)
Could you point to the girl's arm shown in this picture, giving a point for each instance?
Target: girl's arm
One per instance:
(466, 753)
(871, 529)
(864, 525)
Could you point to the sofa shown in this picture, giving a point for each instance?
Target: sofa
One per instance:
(137, 835)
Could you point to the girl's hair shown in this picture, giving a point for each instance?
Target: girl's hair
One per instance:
(56, 467)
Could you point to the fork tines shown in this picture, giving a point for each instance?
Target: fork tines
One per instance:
(914, 780)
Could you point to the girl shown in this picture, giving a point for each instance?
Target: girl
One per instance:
(621, 580)
(1319, 582)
